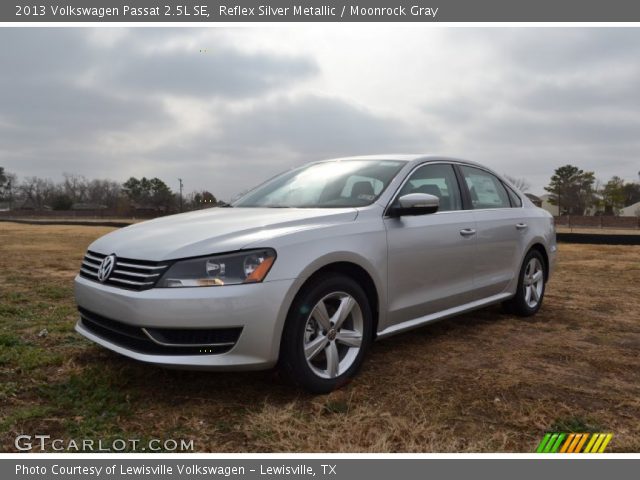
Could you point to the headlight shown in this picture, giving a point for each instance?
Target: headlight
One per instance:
(250, 266)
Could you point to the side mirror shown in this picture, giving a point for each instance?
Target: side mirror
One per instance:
(415, 204)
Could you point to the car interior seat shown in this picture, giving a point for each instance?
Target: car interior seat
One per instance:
(362, 191)
(434, 190)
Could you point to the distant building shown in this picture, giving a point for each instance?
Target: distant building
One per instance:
(553, 209)
(87, 206)
(537, 201)
(632, 210)
(548, 206)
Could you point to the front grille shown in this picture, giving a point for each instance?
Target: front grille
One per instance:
(127, 273)
(168, 341)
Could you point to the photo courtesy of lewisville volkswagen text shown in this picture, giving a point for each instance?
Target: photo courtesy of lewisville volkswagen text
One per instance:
(166, 469)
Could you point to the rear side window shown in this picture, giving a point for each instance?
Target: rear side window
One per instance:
(516, 201)
(486, 190)
(435, 179)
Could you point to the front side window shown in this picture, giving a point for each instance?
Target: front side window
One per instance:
(485, 188)
(435, 179)
(332, 184)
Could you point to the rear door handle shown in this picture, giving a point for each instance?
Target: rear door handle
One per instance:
(467, 232)
(521, 226)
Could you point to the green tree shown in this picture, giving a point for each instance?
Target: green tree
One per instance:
(149, 192)
(161, 194)
(203, 199)
(612, 196)
(134, 189)
(631, 192)
(571, 189)
(61, 201)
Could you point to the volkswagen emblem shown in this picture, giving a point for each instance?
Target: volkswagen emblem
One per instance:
(106, 267)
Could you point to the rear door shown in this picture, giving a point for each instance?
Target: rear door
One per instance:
(430, 257)
(500, 231)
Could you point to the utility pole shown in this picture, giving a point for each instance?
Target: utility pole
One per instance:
(10, 195)
(180, 180)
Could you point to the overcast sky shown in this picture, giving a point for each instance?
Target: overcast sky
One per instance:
(226, 108)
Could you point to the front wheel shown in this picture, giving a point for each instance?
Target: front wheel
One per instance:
(327, 333)
(531, 285)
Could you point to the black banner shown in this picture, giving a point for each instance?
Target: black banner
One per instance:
(204, 11)
(115, 468)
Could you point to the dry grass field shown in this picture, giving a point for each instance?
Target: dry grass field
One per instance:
(482, 382)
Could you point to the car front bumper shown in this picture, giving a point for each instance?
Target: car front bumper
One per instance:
(259, 309)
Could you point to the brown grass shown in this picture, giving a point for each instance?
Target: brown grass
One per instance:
(482, 382)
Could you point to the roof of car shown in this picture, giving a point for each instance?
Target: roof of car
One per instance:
(392, 156)
(402, 157)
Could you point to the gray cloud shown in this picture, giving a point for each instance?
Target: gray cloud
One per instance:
(120, 102)
(61, 93)
(583, 95)
(29, 55)
(281, 133)
(319, 127)
(215, 73)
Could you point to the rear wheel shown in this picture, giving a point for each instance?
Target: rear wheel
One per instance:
(531, 285)
(327, 333)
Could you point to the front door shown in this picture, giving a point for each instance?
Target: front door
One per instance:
(430, 257)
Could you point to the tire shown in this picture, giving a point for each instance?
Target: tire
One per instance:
(314, 353)
(531, 286)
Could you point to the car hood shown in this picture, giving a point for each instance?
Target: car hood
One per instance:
(213, 230)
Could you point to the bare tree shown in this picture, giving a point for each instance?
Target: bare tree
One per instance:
(103, 192)
(520, 183)
(36, 192)
(8, 184)
(75, 187)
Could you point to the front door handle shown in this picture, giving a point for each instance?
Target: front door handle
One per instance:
(467, 232)
(521, 226)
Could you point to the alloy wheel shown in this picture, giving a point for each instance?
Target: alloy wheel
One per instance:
(333, 335)
(533, 282)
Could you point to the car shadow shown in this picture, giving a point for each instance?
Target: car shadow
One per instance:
(170, 386)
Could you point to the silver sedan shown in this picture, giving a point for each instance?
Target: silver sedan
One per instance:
(307, 269)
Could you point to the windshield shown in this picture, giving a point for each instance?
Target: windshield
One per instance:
(333, 184)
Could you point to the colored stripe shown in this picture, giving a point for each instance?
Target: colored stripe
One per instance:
(543, 443)
(594, 437)
(566, 444)
(606, 441)
(556, 446)
(598, 442)
(576, 440)
(582, 442)
(550, 443)
(573, 442)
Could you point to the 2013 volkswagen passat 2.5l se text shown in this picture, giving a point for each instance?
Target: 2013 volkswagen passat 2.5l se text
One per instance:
(307, 269)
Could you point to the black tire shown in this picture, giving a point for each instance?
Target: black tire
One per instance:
(528, 298)
(301, 326)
